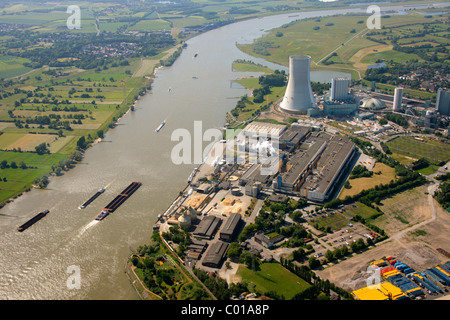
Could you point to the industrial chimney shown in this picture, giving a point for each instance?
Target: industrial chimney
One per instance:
(298, 97)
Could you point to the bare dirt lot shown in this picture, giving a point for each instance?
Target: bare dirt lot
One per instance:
(416, 246)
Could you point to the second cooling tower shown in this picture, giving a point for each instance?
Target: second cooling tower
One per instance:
(298, 97)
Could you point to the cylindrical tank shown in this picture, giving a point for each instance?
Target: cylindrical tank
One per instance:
(298, 96)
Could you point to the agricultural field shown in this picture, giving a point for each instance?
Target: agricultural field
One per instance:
(273, 277)
(432, 150)
(343, 43)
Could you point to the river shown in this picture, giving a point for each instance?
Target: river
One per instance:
(34, 264)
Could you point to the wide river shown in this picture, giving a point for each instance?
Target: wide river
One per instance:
(36, 264)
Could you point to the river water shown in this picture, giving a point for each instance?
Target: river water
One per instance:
(34, 264)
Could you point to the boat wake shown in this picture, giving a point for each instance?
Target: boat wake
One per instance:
(87, 227)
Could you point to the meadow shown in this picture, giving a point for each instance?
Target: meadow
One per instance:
(432, 150)
(273, 277)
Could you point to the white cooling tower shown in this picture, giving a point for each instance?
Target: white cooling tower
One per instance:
(298, 96)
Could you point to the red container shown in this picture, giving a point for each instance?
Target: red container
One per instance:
(392, 262)
(387, 269)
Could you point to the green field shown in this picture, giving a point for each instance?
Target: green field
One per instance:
(19, 180)
(433, 150)
(12, 66)
(274, 277)
(334, 221)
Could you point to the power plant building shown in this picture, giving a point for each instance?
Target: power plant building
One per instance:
(398, 96)
(341, 100)
(298, 97)
(443, 102)
(339, 89)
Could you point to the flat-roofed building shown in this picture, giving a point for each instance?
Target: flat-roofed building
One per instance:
(215, 254)
(229, 229)
(329, 169)
(255, 129)
(300, 164)
(207, 227)
(293, 136)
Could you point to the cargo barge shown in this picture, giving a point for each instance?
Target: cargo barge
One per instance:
(95, 196)
(124, 195)
(33, 220)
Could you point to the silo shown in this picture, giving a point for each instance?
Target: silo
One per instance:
(298, 97)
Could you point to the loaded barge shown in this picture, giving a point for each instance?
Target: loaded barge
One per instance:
(95, 196)
(124, 195)
(33, 220)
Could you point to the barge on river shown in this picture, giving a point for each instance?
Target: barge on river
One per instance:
(124, 195)
(33, 220)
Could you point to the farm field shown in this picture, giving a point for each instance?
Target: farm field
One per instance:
(273, 277)
(433, 150)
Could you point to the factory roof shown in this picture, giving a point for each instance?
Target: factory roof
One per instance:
(231, 224)
(330, 164)
(294, 133)
(215, 254)
(206, 227)
(300, 160)
(269, 129)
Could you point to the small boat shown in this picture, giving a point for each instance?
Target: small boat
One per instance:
(195, 55)
(160, 126)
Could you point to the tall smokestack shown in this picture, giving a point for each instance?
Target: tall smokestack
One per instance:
(298, 96)
(398, 95)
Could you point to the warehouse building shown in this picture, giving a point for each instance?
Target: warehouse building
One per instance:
(215, 255)
(207, 227)
(230, 228)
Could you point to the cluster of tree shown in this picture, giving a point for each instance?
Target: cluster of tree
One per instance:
(276, 79)
(170, 60)
(420, 164)
(42, 148)
(218, 286)
(360, 171)
(41, 182)
(319, 88)
(13, 165)
(442, 195)
(67, 163)
(297, 233)
(397, 118)
(271, 218)
(260, 47)
(385, 148)
(179, 236)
